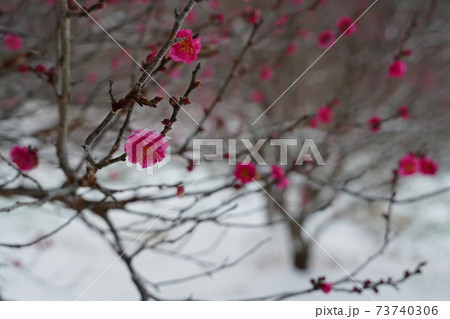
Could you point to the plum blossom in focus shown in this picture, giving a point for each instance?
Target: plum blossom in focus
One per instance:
(245, 172)
(24, 157)
(145, 147)
(185, 51)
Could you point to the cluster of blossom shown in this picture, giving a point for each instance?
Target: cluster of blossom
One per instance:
(247, 172)
(345, 26)
(411, 164)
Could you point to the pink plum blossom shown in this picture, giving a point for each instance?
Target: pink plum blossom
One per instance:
(40, 68)
(326, 287)
(192, 16)
(403, 111)
(13, 42)
(428, 166)
(326, 39)
(345, 23)
(292, 49)
(266, 73)
(279, 176)
(258, 96)
(23, 68)
(24, 157)
(374, 123)
(408, 165)
(325, 114)
(245, 172)
(187, 50)
(314, 122)
(253, 15)
(397, 69)
(91, 76)
(214, 4)
(281, 20)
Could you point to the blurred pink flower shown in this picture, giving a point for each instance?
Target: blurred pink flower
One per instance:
(116, 63)
(91, 77)
(13, 42)
(245, 172)
(326, 287)
(428, 166)
(219, 17)
(258, 96)
(192, 16)
(154, 52)
(325, 114)
(140, 27)
(40, 68)
(175, 74)
(292, 49)
(407, 52)
(314, 122)
(326, 39)
(207, 74)
(344, 23)
(185, 51)
(279, 176)
(281, 20)
(304, 33)
(253, 15)
(266, 73)
(145, 147)
(214, 4)
(23, 68)
(408, 165)
(336, 102)
(374, 123)
(403, 111)
(397, 69)
(24, 157)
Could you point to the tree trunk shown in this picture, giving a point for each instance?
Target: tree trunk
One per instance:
(300, 247)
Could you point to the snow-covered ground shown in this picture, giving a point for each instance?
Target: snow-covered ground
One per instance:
(77, 256)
